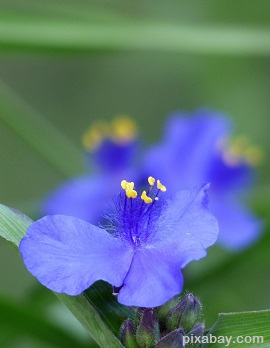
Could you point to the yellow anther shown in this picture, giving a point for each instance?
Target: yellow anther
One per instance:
(145, 198)
(253, 155)
(127, 185)
(160, 186)
(124, 184)
(129, 188)
(94, 135)
(239, 150)
(131, 193)
(238, 145)
(151, 180)
(123, 129)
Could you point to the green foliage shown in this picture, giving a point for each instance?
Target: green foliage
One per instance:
(250, 326)
(31, 33)
(13, 225)
(38, 133)
(22, 318)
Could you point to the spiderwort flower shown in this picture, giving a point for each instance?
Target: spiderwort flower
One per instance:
(111, 149)
(197, 149)
(146, 243)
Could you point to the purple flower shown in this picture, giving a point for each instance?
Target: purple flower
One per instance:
(111, 149)
(141, 250)
(197, 149)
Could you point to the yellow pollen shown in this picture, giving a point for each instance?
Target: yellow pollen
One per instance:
(131, 193)
(129, 188)
(94, 135)
(253, 155)
(239, 149)
(238, 145)
(145, 198)
(160, 186)
(123, 129)
(124, 184)
(127, 185)
(151, 180)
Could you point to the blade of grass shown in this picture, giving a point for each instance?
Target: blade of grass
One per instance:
(37, 132)
(28, 33)
(250, 328)
(28, 323)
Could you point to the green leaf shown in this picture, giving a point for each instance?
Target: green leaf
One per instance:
(33, 33)
(90, 319)
(13, 225)
(39, 133)
(29, 323)
(251, 328)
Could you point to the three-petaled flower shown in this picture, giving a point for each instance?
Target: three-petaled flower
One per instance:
(146, 243)
(197, 149)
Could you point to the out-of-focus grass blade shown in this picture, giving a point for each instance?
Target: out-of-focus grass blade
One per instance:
(24, 322)
(90, 319)
(28, 33)
(51, 144)
(246, 329)
(13, 226)
(261, 200)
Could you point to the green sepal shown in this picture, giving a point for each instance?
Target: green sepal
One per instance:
(128, 334)
(184, 315)
(172, 340)
(148, 329)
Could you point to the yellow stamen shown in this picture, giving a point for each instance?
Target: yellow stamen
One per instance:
(253, 155)
(130, 185)
(123, 129)
(124, 184)
(238, 145)
(145, 198)
(160, 186)
(129, 188)
(239, 150)
(131, 193)
(151, 180)
(127, 185)
(94, 135)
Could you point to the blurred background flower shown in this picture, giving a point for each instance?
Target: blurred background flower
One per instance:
(66, 64)
(197, 149)
(111, 149)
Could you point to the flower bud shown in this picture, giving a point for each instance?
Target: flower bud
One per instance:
(197, 330)
(163, 311)
(148, 329)
(128, 334)
(173, 340)
(185, 314)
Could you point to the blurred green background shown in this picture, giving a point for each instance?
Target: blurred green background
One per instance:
(65, 64)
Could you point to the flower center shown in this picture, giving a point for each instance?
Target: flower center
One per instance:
(140, 213)
(136, 217)
(239, 150)
(121, 130)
